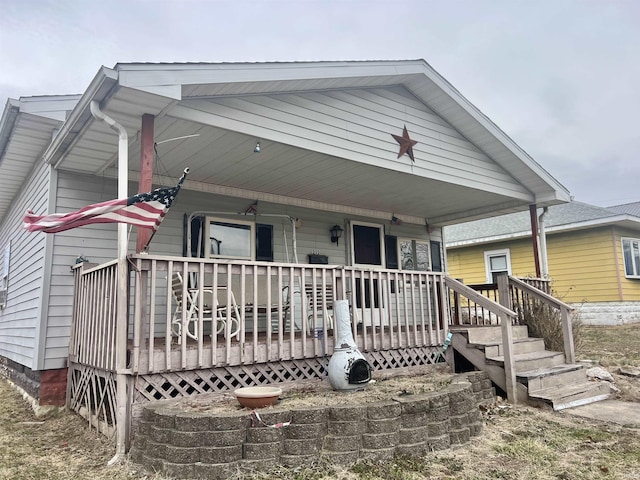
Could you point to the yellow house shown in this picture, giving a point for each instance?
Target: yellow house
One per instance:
(592, 256)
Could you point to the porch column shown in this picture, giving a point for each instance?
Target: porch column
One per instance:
(146, 173)
(533, 213)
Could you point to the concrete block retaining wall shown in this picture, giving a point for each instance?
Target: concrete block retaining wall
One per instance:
(187, 444)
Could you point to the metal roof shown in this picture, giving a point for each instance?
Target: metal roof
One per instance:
(630, 208)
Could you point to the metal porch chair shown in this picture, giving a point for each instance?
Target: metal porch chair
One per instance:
(226, 320)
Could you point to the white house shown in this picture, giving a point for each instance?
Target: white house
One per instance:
(328, 156)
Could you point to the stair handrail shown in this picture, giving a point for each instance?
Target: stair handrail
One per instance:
(506, 316)
(565, 309)
(494, 307)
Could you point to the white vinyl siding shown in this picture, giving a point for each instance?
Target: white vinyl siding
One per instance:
(20, 320)
(357, 125)
(97, 243)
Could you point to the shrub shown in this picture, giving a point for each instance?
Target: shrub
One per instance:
(544, 321)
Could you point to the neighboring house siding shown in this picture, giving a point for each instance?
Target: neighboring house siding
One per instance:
(467, 263)
(630, 286)
(582, 266)
(20, 320)
(357, 124)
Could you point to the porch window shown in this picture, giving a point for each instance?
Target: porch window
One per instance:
(497, 261)
(414, 254)
(230, 239)
(631, 254)
(367, 244)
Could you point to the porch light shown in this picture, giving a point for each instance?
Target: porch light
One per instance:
(336, 233)
(257, 149)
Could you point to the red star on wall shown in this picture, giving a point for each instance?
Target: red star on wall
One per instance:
(406, 144)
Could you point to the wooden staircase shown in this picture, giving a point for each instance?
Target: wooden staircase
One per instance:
(541, 375)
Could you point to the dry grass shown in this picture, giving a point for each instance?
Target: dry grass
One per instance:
(516, 443)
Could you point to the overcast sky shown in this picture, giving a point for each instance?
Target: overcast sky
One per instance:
(562, 78)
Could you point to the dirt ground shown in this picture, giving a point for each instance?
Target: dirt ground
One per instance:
(517, 442)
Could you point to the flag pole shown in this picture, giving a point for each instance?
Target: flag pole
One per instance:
(145, 249)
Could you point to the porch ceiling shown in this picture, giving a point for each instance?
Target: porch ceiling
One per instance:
(222, 158)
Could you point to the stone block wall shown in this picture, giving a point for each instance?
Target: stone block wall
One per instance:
(187, 444)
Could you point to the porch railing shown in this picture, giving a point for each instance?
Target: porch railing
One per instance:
(284, 310)
(469, 312)
(505, 317)
(93, 334)
(528, 301)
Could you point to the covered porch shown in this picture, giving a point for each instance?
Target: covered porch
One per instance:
(387, 151)
(275, 324)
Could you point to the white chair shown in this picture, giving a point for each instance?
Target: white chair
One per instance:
(319, 306)
(223, 317)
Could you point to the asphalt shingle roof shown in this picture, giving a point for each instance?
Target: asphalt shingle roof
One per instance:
(520, 223)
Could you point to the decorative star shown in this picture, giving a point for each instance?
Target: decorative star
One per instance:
(406, 144)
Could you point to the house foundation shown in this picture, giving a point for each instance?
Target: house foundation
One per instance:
(46, 388)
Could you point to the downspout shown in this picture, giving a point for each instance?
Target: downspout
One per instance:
(543, 243)
(122, 407)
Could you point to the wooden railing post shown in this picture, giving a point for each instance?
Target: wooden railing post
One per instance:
(507, 339)
(567, 334)
(457, 320)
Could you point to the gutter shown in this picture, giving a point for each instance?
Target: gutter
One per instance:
(542, 238)
(122, 402)
(99, 89)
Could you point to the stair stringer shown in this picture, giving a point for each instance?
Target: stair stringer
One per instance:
(477, 358)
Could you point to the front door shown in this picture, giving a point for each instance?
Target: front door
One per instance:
(368, 250)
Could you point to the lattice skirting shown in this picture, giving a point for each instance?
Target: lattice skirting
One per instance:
(167, 385)
(92, 394)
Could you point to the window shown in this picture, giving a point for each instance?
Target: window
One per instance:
(230, 239)
(4, 276)
(367, 243)
(414, 254)
(631, 254)
(497, 261)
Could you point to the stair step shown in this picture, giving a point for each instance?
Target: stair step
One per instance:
(491, 334)
(520, 345)
(574, 395)
(557, 375)
(532, 360)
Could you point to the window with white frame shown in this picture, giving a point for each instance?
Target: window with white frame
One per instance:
(226, 238)
(497, 261)
(631, 255)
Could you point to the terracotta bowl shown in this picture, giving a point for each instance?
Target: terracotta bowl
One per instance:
(257, 397)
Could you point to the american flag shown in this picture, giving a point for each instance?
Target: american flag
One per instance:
(146, 210)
